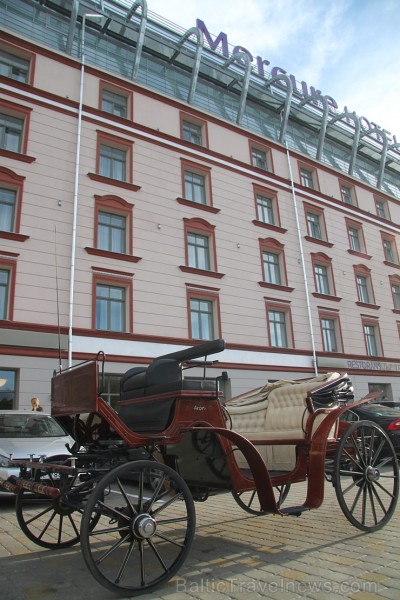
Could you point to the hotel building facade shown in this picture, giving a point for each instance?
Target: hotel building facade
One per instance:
(158, 187)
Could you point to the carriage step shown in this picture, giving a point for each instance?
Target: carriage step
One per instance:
(294, 511)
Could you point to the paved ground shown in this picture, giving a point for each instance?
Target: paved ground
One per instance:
(234, 555)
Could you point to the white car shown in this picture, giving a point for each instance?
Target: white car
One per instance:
(27, 435)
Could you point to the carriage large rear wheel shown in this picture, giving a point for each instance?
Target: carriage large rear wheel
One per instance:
(366, 476)
(143, 533)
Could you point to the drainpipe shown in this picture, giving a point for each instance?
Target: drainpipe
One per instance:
(302, 263)
(76, 185)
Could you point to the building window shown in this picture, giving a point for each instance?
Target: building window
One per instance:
(259, 159)
(4, 292)
(308, 178)
(362, 288)
(273, 263)
(202, 319)
(110, 307)
(314, 225)
(111, 233)
(198, 251)
(348, 194)
(8, 389)
(277, 329)
(372, 338)
(382, 209)
(323, 275)
(191, 132)
(396, 295)
(364, 284)
(111, 389)
(354, 239)
(329, 335)
(8, 200)
(112, 162)
(272, 273)
(265, 209)
(195, 187)
(279, 324)
(322, 279)
(390, 249)
(11, 133)
(114, 103)
(14, 67)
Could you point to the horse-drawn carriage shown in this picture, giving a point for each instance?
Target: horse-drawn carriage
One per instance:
(127, 488)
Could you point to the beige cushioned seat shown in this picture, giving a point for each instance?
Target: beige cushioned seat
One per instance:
(274, 412)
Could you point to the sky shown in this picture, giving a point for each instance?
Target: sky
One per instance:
(348, 49)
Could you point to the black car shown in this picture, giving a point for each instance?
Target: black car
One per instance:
(387, 416)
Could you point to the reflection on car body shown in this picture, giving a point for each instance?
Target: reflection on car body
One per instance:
(26, 435)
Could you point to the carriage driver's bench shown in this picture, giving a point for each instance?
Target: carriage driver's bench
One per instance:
(279, 411)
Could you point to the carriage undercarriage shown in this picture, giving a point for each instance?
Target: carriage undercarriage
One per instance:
(127, 490)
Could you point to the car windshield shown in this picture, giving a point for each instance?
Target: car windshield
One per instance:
(23, 426)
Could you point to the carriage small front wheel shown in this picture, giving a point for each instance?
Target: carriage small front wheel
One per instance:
(366, 476)
(143, 532)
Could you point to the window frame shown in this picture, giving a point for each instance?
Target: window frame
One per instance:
(311, 209)
(22, 113)
(272, 246)
(9, 264)
(364, 272)
(13, 392)
(111, 278)
(20, 53)
(310, 170)
(193, 120)
(262, 192)
(391, 239)
(255, 147)
(207, 294)
(320, 259)
(118, 91)
(279, 306)
(13, 182)
(115, 206)
(382, 208)
(352, 193)
(118, 143)
(330, 315)
(374, 323)
(204, 172)
(362, 252)
(394, 281)
(201, 227)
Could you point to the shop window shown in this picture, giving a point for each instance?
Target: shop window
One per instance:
(109, 386)
(8, 389)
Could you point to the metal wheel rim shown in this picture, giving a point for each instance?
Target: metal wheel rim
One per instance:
(249, 502)
(366, 476)
(143, 535)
